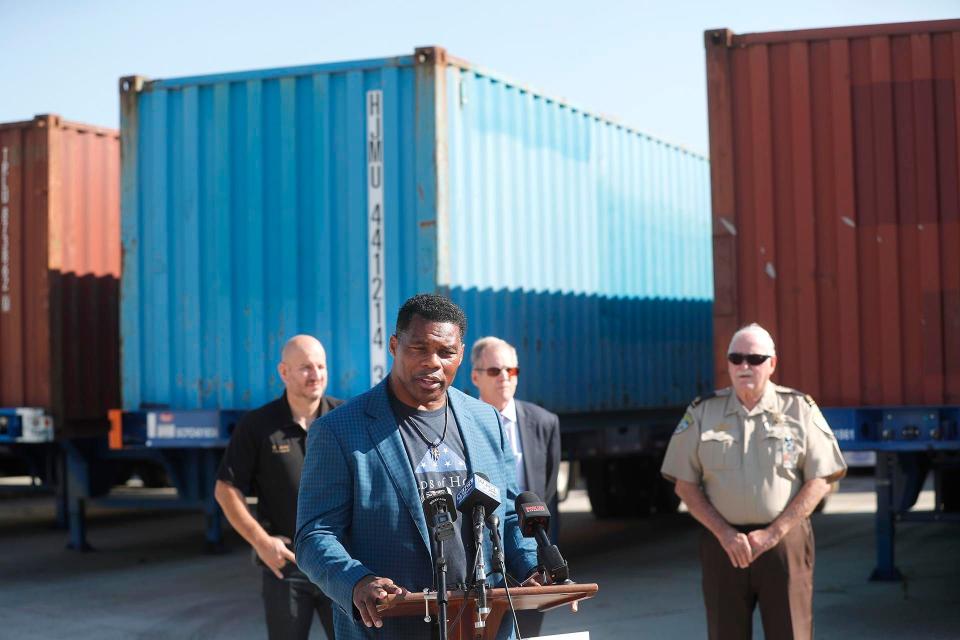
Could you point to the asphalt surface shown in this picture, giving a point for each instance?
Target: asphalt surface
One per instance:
(149, 577)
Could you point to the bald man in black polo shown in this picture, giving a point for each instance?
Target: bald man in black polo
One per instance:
(265, 458)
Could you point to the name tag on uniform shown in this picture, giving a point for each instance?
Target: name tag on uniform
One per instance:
(281, 448)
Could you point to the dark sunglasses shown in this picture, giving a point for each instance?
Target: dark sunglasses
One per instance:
(494, 372)
(753, 359)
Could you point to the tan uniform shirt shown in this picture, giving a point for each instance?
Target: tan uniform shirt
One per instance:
(752, 463)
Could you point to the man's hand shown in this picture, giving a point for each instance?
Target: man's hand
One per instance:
(737, 546)
(536, 579)
(762, 540)
(274, 554)
(367, 591)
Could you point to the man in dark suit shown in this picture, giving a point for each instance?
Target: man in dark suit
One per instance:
(533, 434)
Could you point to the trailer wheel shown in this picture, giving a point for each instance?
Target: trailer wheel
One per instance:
(950, 490)
(620, 487)
(667, 499)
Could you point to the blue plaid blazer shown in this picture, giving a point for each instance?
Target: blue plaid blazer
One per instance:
(359, 509)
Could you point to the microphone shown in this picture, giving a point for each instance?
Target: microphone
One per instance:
(534, 521)
(439, 509)
(493, 523)
(478, 497)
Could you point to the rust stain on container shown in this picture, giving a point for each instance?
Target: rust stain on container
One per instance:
(835, 170)
(59, 271)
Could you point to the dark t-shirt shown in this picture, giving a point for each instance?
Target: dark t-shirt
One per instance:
(449, 469)
(265, 458)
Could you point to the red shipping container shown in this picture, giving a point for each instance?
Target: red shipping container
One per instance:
(835, 167)
(59, 271)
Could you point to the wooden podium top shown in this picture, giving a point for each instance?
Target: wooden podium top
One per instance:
(462, 606)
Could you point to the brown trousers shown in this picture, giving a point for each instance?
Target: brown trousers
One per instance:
(780, 580)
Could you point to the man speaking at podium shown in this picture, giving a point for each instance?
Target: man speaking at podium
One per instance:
(361, 529)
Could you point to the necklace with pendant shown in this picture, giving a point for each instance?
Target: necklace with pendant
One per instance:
(434, 447)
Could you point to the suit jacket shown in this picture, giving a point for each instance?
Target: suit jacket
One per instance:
(540, 439)
(359, 510)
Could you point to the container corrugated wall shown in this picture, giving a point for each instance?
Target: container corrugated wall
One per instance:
(245, 221)
(59, 277)
(243, 224)
(835, 198)
(583, 243)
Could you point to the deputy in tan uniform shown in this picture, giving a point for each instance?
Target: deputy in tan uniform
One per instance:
(752, 462)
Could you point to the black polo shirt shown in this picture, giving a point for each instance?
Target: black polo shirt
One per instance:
(265, 458)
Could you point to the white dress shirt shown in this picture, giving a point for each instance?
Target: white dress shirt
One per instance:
(510, 426)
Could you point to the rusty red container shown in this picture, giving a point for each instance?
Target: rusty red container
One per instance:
(59, 271)
(835, 168)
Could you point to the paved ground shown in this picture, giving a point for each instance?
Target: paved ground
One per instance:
(149, 579)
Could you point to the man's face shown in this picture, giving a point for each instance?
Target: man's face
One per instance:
(426, 357)
(748, 380)
(304, 372)
(497, 390)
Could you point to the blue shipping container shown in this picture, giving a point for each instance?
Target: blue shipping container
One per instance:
(257, 205)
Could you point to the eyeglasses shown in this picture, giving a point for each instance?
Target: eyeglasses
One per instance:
(753, 359)
(494, 372)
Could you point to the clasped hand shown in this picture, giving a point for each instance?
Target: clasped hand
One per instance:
(744, 548)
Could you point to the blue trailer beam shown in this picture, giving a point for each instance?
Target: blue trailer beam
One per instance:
(908, 442)
(188, 444)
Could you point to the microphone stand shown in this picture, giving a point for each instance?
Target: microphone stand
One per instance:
(499, 564)
(480, 573)
(440, 575)
(442, 530)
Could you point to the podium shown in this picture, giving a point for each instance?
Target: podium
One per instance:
(462, 606)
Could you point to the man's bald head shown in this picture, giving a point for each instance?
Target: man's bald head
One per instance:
(302, 343)
(303, 368)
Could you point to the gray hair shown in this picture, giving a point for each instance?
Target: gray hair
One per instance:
(482, 344)
(758, 332)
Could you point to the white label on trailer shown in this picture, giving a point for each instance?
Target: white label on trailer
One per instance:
(5, 231)
(375, 239)
(845, 435)
(37, 427)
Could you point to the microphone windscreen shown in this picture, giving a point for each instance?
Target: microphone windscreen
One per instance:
(478, 491)
(532, 513)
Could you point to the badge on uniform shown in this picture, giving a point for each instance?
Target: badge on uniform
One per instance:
(684, 424)
(788, 453)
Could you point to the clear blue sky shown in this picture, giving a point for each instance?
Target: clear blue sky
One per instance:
(639, 62)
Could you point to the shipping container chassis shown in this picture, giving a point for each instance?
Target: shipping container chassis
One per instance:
(186, 445)
(619, 455)
(910, 443)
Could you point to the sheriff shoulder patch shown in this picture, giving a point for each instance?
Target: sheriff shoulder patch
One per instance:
(684, 424)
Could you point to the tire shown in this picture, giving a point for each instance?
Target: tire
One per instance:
(667, 499)
(620, 487)
(950, 490)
